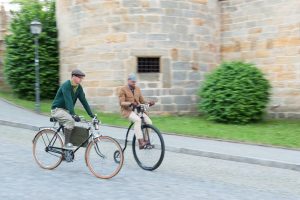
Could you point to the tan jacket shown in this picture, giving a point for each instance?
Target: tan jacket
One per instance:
(126, 98)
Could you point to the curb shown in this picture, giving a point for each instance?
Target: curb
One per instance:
(249, 160)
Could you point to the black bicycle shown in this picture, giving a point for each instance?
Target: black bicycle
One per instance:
(100, 151)
(151, 156)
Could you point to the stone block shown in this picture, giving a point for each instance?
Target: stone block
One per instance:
(179, 75)
(147, 92)
(176, 91)
(184, 100)
(194, 76)
(168, 4)
(152, 19)
(116, 38)
(168, 20)
(181, 66)
(183, 108)
(137, 36)
(182, 29)
(192, 91)
(90, 92)
(124, 27)
(130, 3)
(262, 53)
(174, 38)
(153, 85)
(184, 5)
(183, 21)
(148, 77)
(164, 92)
(185, 55)
(199, 1)
(158, 36)
(169, 108)
(168, 28)
(112, 19)
(173, 12)
(166, 100)
(104, 91)
(143, 28)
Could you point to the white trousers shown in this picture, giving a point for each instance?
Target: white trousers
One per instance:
(138, 123)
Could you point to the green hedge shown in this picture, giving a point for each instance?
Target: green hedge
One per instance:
(19, 57)
(236, 92)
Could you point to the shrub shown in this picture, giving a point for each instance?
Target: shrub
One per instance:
(19, 55)
(236, 92)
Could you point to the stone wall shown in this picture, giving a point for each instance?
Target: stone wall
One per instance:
(104, 39)
(267, 33)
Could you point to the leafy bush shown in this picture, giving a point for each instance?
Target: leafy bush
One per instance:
(236, 92)
(19, 57)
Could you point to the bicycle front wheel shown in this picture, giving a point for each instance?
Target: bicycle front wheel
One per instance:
(152, 156)
(47, 146)
(104, 157)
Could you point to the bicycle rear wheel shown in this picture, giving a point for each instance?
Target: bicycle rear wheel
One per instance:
(151, 157)
(101, 158)
(43, 156)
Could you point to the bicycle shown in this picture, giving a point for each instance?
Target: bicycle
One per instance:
(48, 150)
(151, 157)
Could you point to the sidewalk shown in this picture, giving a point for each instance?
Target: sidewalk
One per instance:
(267, 156)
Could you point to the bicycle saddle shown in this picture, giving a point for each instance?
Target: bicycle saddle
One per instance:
(52, 119)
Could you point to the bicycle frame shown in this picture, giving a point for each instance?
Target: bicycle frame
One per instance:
(61, 150)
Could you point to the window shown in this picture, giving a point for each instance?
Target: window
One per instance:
(148, 65)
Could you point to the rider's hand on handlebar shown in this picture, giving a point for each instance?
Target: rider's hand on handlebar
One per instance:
(134, 105)
(76, 118)
(151, 103)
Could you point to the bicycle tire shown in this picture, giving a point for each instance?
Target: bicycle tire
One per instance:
(103, 154)
(140, 155)
(40, 142)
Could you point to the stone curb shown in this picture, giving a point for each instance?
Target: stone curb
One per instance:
(257, 161)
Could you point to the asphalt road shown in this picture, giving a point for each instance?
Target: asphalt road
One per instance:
(180, 176)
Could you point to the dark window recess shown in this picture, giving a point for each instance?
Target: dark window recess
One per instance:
(148, 65)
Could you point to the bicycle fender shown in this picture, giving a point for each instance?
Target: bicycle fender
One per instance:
(42, 129)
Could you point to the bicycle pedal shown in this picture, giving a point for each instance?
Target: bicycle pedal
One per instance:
(149, 146)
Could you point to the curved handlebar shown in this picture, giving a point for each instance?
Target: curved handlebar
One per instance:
(95, 122)
(141, 108)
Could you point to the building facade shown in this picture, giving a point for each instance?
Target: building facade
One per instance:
(107, 39)
(267, 33)
(172, 44)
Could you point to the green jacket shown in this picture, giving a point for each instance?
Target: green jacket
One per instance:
(66, 98)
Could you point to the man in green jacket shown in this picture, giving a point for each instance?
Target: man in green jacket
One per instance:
(63, 104)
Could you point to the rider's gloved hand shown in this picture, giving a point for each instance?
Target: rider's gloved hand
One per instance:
(151, 103)
(134, 105)
(93, 115)
(76, 118)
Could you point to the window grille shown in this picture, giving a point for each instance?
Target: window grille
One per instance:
(148, 65)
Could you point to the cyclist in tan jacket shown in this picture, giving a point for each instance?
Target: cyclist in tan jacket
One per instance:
(130, 96)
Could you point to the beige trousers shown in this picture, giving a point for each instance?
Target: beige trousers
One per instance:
(63, 117)
(138, 123)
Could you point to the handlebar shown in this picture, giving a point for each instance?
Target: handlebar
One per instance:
(141, 108)
(95, 122)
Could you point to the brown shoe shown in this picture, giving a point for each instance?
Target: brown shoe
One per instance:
(142, 143)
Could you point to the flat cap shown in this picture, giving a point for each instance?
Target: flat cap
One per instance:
(77, 72)
(132, 77)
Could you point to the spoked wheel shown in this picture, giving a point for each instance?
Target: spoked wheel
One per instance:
(152, 156)
(42, 153)
(101, 157)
